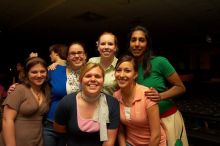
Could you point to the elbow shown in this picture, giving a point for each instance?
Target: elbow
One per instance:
(183, 89)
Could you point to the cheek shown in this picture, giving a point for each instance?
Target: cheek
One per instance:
(101, 81)
(131, 44)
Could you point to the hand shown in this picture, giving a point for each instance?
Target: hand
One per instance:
(153, 95)
(33, 54)
(52, 66)
(12, 88)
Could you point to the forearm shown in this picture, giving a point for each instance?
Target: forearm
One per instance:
(172, 92)
(112, 134)
(121, 136)
(121, 140)
(154, 139)
(8, 130)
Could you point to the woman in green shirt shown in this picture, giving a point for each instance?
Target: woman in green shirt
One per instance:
(154, 72)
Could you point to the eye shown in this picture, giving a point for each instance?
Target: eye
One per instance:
(133, 39)
(110, 44)
(43, 72)
(127, 70)
(142, 39)
(88, 76)
(118, 70)
(98, 76)
(102, 43)
(34, 72)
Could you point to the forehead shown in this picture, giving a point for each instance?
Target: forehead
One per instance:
(138, 34)
(95, 70)
(107, 37)
(37, 66)
(76, 47)
(126, 64)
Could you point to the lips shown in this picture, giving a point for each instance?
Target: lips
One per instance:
(121, 81)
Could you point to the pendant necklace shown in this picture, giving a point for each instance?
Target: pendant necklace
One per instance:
(38, 95)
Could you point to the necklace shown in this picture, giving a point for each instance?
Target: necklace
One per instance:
(72, 80)
(38, 95)
(89, 99)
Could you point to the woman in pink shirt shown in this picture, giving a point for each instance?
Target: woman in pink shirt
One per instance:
(139, 116)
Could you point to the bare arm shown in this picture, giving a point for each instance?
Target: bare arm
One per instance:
(121, 136)
(112, 134)
(177, 88)
(8, 126)
(154, 121)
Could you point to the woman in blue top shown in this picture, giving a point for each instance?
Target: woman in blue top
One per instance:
(63, 80)
(155, 71)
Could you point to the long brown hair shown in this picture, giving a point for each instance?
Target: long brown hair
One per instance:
(45, 86)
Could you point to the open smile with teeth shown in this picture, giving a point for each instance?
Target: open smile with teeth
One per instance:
(122, 81)
(92, 85)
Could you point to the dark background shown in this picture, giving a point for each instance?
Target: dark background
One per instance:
(187, 32)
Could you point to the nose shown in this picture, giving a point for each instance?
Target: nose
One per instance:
(121, 74)
(76, 55)
(106, 46)
(137, 43)
(93, 78)
(39, 74)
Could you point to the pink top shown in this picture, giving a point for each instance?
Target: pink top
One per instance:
(135, 118)
(86, 125)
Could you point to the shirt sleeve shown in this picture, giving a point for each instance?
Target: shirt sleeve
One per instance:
(166, 67)
(62, 110)
(15, 99)
(114, 113)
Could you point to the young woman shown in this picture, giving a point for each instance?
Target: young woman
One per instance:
(107, 47)
(89, 117)
(24, 108)
(63, 81)
(155, 72)
(139, 116)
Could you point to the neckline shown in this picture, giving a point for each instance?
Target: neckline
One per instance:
(38, 96)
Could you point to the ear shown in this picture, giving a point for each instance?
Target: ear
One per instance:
(135, 76)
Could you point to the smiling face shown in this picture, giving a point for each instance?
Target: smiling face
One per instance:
(92, 81)
(37, 75)
(76, 56)
(138, 43)
(125, 74)
(107, 46)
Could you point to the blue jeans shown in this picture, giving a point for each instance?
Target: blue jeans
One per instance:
(52, 138)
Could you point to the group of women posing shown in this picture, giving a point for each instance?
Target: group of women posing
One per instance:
(95, 102)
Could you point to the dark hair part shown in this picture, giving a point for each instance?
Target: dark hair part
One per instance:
(29, 64)
(147, 54)
(127, 58)
(60, 49)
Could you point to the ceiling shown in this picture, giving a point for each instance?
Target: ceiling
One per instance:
(54, 19)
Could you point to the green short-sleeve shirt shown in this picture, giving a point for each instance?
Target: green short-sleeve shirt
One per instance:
(161, 69)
